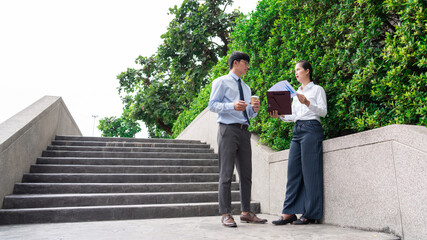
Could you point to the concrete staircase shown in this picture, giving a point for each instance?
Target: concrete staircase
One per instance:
(94, 179)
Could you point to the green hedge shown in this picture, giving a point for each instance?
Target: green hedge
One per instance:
(369, 56)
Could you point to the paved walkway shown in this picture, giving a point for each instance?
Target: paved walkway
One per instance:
(183, 228)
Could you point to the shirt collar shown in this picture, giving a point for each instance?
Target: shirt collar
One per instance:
(234, 76)
(309, 85)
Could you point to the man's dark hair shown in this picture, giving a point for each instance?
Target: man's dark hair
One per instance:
(236, 55)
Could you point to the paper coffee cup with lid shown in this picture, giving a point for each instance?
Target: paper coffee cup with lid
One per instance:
(254, 98)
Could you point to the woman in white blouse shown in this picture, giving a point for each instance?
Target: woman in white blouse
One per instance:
(304, 188)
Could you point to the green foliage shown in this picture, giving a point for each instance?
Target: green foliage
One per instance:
(201, 102)
(166, 83)
(118, 127)
(370, 56)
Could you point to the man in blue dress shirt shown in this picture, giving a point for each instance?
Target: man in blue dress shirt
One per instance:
(229, 98)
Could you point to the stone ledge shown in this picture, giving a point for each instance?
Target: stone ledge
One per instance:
(410, 135)
(383, 164)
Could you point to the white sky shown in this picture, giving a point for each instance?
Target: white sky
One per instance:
(75, 49)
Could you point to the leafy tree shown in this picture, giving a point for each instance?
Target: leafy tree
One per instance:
(118, 127)
(369, 55)
(169, 80)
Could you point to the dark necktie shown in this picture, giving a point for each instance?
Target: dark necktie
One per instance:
(239, 82)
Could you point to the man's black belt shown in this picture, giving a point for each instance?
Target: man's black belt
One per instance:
(241, 126)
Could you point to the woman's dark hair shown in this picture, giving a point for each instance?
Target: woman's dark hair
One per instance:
(236, 55)
(306, 65)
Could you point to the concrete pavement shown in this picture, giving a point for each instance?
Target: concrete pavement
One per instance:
(183, 228)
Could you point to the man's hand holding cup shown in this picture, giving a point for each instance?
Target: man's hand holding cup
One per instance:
(240, 105)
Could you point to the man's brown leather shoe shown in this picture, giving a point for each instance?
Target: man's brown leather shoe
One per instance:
(251, 218)
(228, 221)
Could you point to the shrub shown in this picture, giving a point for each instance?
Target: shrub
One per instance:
(118, 127)
(369, 56)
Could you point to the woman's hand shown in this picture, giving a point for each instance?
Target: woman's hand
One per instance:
(303, 99)
(274, 114)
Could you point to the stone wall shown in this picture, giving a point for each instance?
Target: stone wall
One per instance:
(373, 180)
(24, 136)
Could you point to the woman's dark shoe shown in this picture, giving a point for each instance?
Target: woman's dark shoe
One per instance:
(283, 221)
(302, 221)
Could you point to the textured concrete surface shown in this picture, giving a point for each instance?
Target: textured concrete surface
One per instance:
(278, 186)
(52, 207)
(361, 182)
(203, 128)
(374, 180)
(381, 174)
(411, 171)
(183, 228)
(24, 136)
(261, 169)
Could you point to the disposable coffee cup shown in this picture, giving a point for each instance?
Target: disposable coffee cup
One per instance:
(254, 98)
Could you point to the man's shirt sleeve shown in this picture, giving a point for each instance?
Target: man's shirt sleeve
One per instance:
(216, 101)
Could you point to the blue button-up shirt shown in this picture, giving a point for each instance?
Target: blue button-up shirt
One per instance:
(225, 92)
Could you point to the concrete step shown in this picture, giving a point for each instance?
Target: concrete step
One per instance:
(100, 154)
(115, 139)
(63, 168)
(93, 179)
(128, 149)
(129, 144)
(114, 212)
(118, 178)
(101, 199)
(58, 188)
(127, 161)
